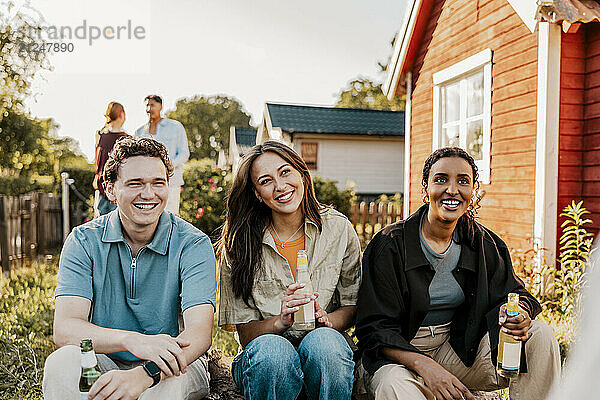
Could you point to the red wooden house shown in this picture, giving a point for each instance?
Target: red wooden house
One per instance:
(517, 84)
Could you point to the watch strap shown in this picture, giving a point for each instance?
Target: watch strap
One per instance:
(153, 372)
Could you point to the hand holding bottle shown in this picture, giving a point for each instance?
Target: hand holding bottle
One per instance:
(321, 314)
(121, 384)
(291, 302)
(517, 325)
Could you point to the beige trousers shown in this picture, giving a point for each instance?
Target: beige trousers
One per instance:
(395, 381)
(63, 368)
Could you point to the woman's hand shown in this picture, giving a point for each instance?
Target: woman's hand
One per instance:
(442, 383)
(517, 326)
(290, 304)
(321, 315)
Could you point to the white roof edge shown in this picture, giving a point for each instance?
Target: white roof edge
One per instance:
(400, 48)
(527, 11)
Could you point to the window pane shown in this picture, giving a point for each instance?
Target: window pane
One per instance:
(451, 103)
(475, 94)
(475, 139)
(309, 152)
(450, 136)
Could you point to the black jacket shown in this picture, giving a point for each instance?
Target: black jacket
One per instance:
(394, 295)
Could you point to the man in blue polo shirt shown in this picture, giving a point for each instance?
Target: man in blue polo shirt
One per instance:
(123, 281)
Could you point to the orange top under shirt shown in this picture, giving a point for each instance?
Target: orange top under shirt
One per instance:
(290, 251)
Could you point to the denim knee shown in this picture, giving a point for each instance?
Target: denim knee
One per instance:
(327, 364)
(268, 362)
(325, 346)
(273, 352)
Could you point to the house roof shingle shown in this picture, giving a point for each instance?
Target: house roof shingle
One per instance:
(314, 119)
(570, 11)
(245, 136)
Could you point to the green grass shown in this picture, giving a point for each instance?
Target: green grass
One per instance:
(26, 313)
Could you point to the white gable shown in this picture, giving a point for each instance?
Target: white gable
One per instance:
(527, 10)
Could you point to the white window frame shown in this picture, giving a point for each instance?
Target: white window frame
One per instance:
(481, 61)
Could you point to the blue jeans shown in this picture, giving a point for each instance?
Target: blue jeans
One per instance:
(271, 368)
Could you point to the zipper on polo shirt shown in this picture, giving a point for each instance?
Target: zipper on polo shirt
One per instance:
(133, 265)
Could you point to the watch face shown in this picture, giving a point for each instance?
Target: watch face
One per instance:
(152, 368)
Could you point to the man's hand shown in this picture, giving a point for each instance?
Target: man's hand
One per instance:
(120, 385)
(442, 383)
(517, 326)
(164, 350)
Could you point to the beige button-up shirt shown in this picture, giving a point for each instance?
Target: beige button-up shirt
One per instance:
(334, 266)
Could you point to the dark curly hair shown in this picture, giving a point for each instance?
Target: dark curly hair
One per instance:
(127, 147)
(467, 220)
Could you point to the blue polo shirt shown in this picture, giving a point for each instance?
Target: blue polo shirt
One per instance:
(177, 270)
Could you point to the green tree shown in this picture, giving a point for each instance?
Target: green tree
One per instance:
(364, 93)
(20, 26)
(328, 193)
(21, 139)
(207, 121)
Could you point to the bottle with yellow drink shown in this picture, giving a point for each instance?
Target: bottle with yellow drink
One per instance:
(509, 349)
(304, 318)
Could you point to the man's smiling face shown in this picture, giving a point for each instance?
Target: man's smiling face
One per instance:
(140, 191)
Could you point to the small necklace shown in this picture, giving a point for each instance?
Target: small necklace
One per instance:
(283, 242)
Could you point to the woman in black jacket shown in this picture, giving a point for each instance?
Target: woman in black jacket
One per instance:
(433, 296)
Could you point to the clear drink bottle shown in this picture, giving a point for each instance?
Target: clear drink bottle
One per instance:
(304, 318)
(509, 349)
(89, 368)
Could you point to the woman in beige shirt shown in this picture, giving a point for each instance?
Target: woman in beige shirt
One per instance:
(272, 212)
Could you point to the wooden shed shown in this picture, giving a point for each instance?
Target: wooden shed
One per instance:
(517, 84)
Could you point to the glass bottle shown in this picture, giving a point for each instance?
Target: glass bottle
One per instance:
(509, 349)
(304, 318)
(89, 368)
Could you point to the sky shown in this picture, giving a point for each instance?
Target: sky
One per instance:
(254, 50)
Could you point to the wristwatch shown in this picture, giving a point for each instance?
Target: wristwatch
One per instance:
(153, 371)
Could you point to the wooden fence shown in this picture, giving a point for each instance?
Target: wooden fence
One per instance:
(369, 218)
(30, 224)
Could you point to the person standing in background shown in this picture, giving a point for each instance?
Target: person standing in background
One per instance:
(171, 133)
(105, 141)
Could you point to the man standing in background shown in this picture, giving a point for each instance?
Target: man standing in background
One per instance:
(171, 133)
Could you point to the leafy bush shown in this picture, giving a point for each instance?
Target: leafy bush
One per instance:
(558, 286)
(26, 314)
(16, 185)
(328, 193)
(397, 200)
(576, 244)
(203, 199)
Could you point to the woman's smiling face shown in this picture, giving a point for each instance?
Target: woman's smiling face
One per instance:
(277, 183)
(450, 188)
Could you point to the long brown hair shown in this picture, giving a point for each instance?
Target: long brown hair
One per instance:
(247, 218)
(113, 111)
